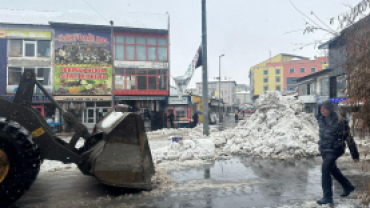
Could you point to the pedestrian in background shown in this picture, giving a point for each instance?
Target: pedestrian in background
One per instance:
(171, 117)
(334, 134)
(195, 119)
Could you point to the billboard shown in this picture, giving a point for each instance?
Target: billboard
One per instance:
(83, 62)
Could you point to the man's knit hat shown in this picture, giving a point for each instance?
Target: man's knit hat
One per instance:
(328, 104)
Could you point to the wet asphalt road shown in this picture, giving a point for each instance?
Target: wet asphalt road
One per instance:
(239, 182)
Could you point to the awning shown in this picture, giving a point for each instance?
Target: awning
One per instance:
(140, 98)
(83, 98)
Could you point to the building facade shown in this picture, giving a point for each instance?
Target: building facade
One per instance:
(280, 72)
(81, 61)
(227, 95)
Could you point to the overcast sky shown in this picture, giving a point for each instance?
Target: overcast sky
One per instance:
(244, 30)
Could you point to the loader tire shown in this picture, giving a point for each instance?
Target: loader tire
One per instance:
(22, 160)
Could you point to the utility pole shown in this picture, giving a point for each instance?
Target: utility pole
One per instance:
(219, 91)
(113, 77)
(205, 72)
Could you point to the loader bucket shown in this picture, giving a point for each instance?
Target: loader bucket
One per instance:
(123, 157)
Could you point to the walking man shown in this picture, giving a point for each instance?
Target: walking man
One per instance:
(334, 134)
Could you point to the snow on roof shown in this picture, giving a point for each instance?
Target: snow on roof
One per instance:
(130, 20)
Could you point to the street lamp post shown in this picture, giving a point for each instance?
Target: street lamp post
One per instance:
(219, 90)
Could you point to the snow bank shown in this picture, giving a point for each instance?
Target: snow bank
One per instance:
(197, 149)
(279, 129)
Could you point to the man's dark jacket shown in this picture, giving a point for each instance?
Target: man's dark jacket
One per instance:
(334, 134)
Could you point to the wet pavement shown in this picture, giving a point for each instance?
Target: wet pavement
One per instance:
(239, 182)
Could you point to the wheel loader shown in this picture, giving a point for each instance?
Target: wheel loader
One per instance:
(117, 152)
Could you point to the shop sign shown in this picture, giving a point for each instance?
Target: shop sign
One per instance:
(2, 33)
(140, 98)
(83, 98)
(27, 34)
(34, 98)
(337, 100)
(141, 64)
(83, 62)
(178, 101)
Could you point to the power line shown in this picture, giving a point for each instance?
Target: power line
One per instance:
(95, 10)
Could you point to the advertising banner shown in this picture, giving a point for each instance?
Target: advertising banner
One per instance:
(83, 62)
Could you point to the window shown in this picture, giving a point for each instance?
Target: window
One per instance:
(341, 85)
(133, 48)
(278, 88)
(15, 48)
(130, 80)
(14, 76)
(265, 88)
(291, 70)
(265, 80)
(292, 88)
(162, 82)
(29, 48)
(141, 82)
(277, 79)
(277, 71)
(313, 69)
(302, 89)
(119, 83)
(265, 72)
(43, 75)
(291, 80)
(43, 48)
(302, 70)
(324, 86)
(152, 83)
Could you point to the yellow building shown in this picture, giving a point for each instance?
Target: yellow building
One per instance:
(269, 75)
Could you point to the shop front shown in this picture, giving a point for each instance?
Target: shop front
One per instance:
(182, 111)
(151, 109)
(83, 73)
(42, 104)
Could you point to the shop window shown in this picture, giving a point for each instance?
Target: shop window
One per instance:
(162, 41)
(15, 48)
(130, 52)
(130, 82)
(152, 41)
(43, 48)
(162, 53)
(119, 82)
(130, 71)
(152, 83)
(43, 76)
(90, 104)
(152, 53)
(119, 53)
(324, 86)
(141, 71)
(130, 40)
(120, 71)
(119, 39)
(14, 76)
(141, 53)
(141, 82)
(162, 82)
(163, 71)
(29, 48)
(152, 71)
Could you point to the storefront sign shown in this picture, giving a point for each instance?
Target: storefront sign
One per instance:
(82, 62)
(178, 101)
(337, 100)
(27, 34)
(40, 99)
(141, 64)
(2, 33)
(140, 98)
(83, 98)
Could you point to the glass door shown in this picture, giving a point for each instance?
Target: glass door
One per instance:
(89, 116)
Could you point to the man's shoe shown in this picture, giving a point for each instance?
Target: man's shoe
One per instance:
(347, 192)
(325, 201)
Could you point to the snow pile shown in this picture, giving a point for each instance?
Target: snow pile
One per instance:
(279, 129)
(203, 149)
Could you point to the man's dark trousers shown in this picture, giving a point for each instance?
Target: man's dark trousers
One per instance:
(329, 167)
